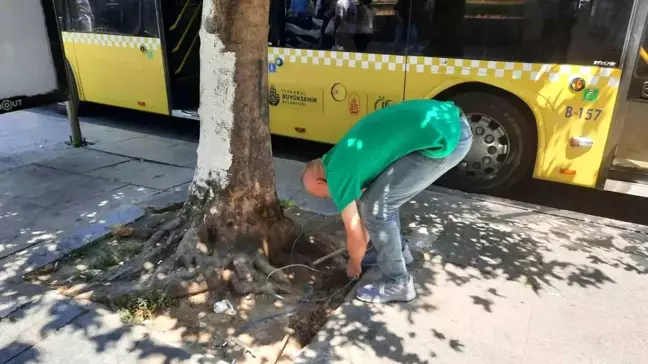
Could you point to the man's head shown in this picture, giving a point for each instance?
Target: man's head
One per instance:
(314, 179)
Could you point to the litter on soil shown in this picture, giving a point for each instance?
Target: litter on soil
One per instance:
(260, 328)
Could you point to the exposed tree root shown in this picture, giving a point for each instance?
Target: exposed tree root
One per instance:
(105, 292)
(159, 248)
(262, 264)
(249, 278)
(184, 262)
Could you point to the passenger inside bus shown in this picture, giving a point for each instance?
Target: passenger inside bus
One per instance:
(364, 25)
(128, 17)
(538, 31)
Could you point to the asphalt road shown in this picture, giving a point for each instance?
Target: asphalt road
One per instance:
(594, 202)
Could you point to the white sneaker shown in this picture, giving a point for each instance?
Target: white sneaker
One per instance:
(383, 292)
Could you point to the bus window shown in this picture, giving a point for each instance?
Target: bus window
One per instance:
(600, 31)
(372, 26)
(122, 17)
(587, 32)
(67, 14)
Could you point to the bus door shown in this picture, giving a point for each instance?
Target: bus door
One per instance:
(115, 52)
(331, 62)
(632, 150)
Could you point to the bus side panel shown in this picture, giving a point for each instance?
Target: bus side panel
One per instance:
(586, 114)
(70, 55)
(320, 95)
(123, 71)
(545, 88)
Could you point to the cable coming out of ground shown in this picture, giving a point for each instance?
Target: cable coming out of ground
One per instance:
(288, 266)
(300, 302)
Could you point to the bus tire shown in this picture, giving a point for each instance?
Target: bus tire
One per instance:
(504, 144)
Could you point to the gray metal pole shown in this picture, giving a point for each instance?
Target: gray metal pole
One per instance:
(75, 127)
(72, 106)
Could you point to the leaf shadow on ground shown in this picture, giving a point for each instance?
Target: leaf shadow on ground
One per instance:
(458, 242)
(465, 246)
(69, 327)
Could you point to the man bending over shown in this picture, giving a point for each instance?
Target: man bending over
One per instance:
(386, 159)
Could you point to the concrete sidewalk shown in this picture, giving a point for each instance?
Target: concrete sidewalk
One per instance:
(503, 284)
(55, 199)
(50, 328)
(498, 281)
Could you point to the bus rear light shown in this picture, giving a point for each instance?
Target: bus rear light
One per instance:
(568, 171)
(580, 142)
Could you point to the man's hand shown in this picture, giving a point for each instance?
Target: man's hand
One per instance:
(354, 268)
(357, 239)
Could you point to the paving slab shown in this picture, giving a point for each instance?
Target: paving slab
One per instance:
(13, 183)
(184, 154)
(289, 187)
(142, 147)
(26, 130)
(16, 295)
(99, 336)
(177, 153)
(153, 175)
(44, 253)
(98, 135)
(147, 147)
(563, 331)
(17, 159)
(167, 199)
(49, 187)
(37, 204)
(17, 216)
(26, 224)
(592, 219)
(34, 322)
(82, 160)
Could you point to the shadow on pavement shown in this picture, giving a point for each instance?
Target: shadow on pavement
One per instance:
(482, 269)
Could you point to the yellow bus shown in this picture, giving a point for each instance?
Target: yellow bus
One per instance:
(553, 88)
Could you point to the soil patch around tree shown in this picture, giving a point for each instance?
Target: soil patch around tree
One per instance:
(257, 328)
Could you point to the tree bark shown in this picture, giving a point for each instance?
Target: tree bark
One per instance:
(232, 227)
(233, 201)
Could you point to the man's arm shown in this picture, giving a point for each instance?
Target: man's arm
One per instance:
(357, 236)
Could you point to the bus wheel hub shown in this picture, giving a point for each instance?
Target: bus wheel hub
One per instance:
(490, 148)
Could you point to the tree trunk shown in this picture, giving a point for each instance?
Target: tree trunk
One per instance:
(232, 225)
(233, 201)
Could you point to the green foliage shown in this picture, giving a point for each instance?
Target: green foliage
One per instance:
(105, 261)
(286, 204)
(135, 309)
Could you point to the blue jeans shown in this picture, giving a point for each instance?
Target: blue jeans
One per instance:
(400, 182)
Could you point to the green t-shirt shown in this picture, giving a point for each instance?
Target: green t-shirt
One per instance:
(379, 139)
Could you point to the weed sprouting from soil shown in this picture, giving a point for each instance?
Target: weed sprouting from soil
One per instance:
(137, 309)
